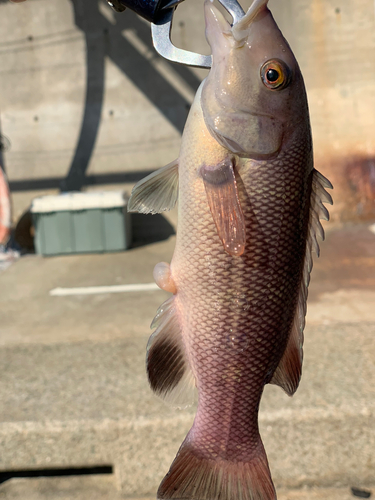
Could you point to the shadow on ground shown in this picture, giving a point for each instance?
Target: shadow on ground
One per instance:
(150, 229)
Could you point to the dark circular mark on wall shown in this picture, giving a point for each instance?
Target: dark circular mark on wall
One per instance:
(5, 143)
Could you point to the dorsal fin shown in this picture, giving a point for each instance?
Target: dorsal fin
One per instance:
(287, 375)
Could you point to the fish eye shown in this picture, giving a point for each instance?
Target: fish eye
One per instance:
(275, 74)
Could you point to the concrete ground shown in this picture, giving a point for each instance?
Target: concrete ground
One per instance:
(73, 389)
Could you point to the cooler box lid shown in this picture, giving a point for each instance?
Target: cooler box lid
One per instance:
(79, 201)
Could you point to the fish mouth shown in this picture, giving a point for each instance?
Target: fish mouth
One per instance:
(240, 30)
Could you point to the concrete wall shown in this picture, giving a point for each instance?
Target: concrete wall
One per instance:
(86, 102)
(334, 42)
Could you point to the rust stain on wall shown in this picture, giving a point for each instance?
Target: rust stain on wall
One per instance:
(360, 174)
(347, 261)
(353, 179)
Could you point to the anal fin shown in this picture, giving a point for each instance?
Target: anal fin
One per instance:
(168, 370)
(157, 192)
(222, 196)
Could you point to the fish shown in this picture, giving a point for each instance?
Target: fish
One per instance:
(249, 208)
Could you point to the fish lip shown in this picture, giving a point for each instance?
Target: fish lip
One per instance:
(254, 9)
(240, 29)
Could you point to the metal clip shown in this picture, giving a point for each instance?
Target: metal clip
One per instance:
(160, 14)
(161, 36)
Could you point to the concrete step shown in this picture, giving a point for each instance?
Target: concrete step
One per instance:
(69, 398)
(102, 487)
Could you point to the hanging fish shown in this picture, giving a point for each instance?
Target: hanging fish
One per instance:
(249, 203)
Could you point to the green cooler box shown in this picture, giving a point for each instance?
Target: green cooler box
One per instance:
(81, 223)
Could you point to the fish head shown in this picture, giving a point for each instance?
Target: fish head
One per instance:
(254, 99)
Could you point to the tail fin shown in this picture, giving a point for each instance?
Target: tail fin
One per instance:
(195, 477)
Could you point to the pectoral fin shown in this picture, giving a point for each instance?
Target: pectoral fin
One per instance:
(157, 192)
(221, 189)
